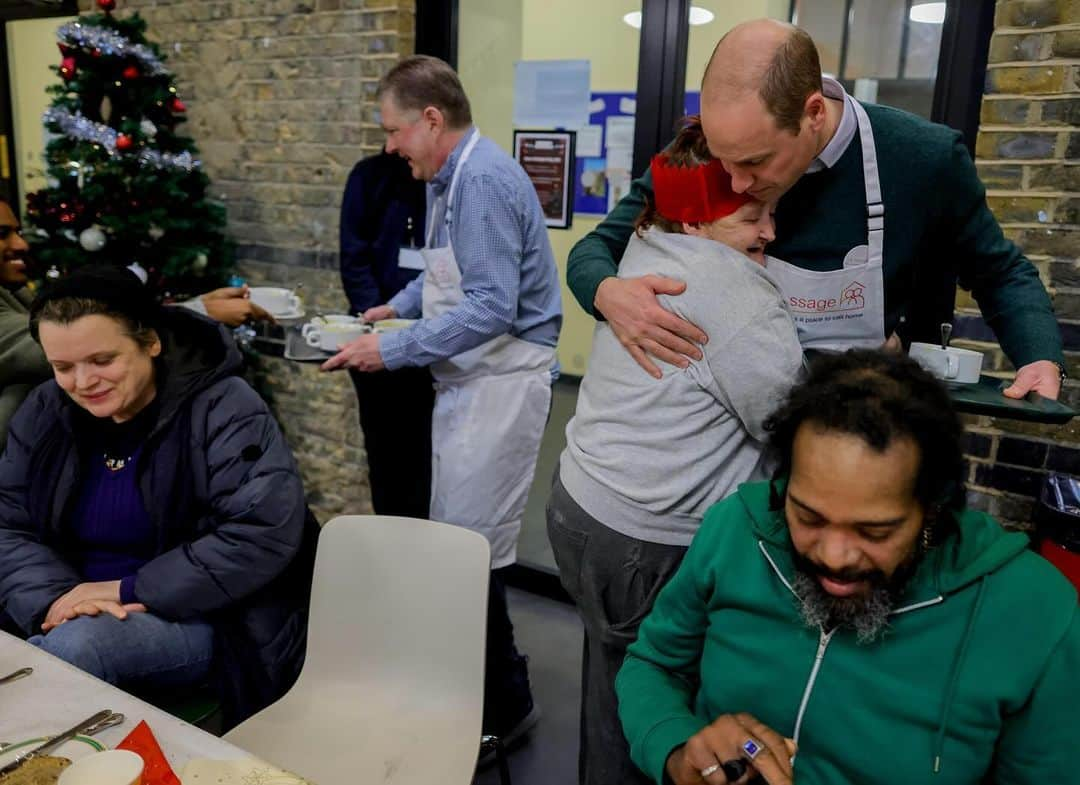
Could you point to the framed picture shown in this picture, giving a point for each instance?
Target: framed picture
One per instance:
(548, 159)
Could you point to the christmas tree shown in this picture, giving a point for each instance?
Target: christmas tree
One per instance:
(124, 188)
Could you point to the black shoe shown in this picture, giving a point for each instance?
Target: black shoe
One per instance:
(514, 737)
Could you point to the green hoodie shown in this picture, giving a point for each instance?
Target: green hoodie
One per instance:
(22, 363)
(979, 670)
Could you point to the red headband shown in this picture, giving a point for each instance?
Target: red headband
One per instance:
(694, 194)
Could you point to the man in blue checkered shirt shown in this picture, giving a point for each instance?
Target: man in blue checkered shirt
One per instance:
(491, 312)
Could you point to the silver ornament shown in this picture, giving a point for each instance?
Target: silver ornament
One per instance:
(92, 239)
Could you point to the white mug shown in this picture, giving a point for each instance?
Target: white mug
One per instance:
(275, 299)
(953, 364)
(110, 767)
(330, 337)
(327, 319)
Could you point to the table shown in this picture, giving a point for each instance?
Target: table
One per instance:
(57, 695)
(984, 397)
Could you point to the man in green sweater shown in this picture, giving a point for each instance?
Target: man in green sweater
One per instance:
(22, 364)
(851, 621)
(879, 212)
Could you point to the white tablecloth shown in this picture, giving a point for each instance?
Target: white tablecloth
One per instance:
(56, 696)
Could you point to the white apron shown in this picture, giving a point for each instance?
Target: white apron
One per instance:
(844, 308)
(491, 405)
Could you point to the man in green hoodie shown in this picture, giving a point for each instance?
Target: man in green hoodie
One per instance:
(879, 213)
(22, 364)
(851, 621)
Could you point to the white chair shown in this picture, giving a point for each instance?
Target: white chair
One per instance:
(392, 687)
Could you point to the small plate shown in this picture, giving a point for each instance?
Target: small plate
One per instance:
(389, 325)
(296, 313)
(78, 747)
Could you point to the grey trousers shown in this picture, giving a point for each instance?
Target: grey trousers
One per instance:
(614, 580)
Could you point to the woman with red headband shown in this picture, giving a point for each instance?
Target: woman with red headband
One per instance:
(646, 457)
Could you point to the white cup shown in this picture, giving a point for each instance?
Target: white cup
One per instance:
(327, 319)
(330, 337)
(275, 299)
(953, 364)
(111, 767)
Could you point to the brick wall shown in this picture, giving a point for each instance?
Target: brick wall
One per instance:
(1028, 154)
(280, 102)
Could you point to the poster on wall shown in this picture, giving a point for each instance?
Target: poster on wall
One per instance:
(548, 159)
(606, 150)
(551, 93)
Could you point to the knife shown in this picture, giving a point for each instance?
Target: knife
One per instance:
(55, 741)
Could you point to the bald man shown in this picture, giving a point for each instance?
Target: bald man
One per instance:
(878, 210)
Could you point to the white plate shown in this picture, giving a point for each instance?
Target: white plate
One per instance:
(296, 313)
(390, 325)
(78, 747)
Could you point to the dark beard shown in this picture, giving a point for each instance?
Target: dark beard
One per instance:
(868, 614)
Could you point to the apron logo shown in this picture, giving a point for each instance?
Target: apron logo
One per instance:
(852, 297)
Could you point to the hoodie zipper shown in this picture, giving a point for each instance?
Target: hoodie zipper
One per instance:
(823, 641)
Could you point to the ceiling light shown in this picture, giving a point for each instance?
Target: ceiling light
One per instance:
(928, 13)
(698, 16)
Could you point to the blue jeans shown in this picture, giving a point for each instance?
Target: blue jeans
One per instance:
(143, 651)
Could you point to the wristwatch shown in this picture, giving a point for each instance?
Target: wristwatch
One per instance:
(1062, 373)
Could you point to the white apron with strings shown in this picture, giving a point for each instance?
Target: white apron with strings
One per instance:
(491, 405)
(844, 308)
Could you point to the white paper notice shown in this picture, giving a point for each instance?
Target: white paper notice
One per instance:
(620, 132)
(618, 186)
(551, 94)
(588, 141)
(628, 105)
(620, 157)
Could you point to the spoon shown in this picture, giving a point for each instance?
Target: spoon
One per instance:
(946, 333)
(16, 675)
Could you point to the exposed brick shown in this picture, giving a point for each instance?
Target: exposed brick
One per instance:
(1056, 241)
(1021, 209)
(1022, 452)
(1017, 145)
(1007, 111)
(1002, 176)
(1027, 79)
(1067, 211)
(978, 445)
(1065, 459)
(1065, 274)
(1066, 43)
(1073, 150)
(1011, 479)
(1052, 177)
(1008, 48)
(1065, 111)
(1027, 13)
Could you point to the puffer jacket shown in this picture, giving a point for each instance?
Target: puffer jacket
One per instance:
(235, 540)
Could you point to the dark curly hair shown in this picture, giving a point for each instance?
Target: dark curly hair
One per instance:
(879, 397)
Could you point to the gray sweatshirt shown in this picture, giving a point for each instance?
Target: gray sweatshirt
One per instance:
(647, 457)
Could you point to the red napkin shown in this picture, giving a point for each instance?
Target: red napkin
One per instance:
(156, 769)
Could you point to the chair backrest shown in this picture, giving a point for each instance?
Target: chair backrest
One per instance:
(397, 598)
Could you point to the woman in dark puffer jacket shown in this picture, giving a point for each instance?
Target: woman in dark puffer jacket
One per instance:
(153, 528)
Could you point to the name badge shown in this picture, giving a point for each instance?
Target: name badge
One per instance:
(410, 259)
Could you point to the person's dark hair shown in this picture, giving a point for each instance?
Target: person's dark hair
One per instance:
(793, 75)
(421, 81)
(879, 397)
(99, 291)
(688, 149)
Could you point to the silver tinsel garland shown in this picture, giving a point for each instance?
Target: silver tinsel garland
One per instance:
(78, 126)
(109, 43)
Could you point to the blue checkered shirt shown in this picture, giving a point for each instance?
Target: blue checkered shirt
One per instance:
(508, 271)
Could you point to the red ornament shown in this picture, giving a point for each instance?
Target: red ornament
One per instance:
(65, 50)
(67, 68)
(124, 142)
(106, 5)
(131, 72)
(66, 218)
(176, 105)
(95, 52)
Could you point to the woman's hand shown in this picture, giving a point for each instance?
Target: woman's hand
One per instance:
(232, 306)
(89, 599)
(723, 741)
